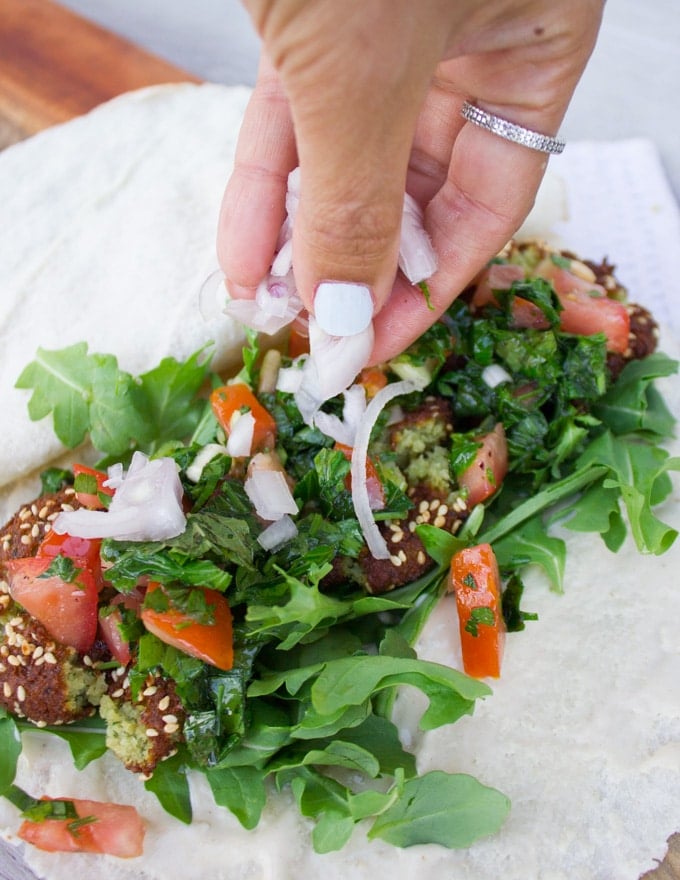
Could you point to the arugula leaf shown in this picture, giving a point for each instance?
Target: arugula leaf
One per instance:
(241, 790)
(170, 785)
(10, 749)
(531, 543)
(453, 810)
(88, 394)
(633, 404)
(86, 738)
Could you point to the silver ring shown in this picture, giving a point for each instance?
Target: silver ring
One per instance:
(510, 131)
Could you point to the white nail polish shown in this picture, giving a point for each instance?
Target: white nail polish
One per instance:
(342, 308)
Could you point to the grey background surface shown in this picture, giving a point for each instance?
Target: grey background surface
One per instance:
(630, 89)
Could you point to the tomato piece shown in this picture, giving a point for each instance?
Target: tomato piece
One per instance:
(229, 401)
(476, 583)
(116, 829)
(67, 609)
(376, 493)
(92, 500)
(373, 379)
(210, 642)
(87, 549)
(486, 473)
(497, 276)
(110, 620)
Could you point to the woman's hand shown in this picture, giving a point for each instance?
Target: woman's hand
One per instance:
(365, 95)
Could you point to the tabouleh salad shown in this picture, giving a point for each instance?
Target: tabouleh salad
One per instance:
(236, 586)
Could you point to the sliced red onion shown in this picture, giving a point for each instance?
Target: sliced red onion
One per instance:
(241, 432)
(212, 295)
(417, 259)
(268, 489)
(344, 430)
(331, 367)
(290, 378)
(278, 533)
(283, 261)
(146, 506)
(494, 375)
(276, 304)
(204, 457)
(362, 506)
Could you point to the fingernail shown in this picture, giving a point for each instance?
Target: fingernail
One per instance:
(240, 291)
(342, 308)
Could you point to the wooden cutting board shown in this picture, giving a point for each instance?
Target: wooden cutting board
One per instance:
(55, 65)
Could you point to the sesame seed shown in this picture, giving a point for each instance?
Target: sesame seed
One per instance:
(21, 693)
(443, 510)
(24, 513)
(67, 508)
(34, 509)
(13, 660)
(412, 526)
(16, 621)
(439, 521)
(151, 732)
(40, 723)
(164, 703)
(169, 719)
(87, 660)
(455, 526)
(26, 539)
(3, 668)
(395, 561)
(50, 658)
(402, 555)
(423, 506)
(25, 526)
(426, 516)
(118, 693)
(397, 537)
(6, 689)
(38, 661)
(52, 517)
(421, 558)
(434, 504)
(392, 526)
(171, 728)
(35, 531)
(150, 691)
(39, 651)
(44, 510)
(69, 491)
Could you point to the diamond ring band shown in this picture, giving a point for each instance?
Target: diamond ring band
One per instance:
(510, 131)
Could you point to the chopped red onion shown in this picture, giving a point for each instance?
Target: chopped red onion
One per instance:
(278, 533)
(212, 295)
(203, 457)
(241, 432)
(344, 430)
(362, 506)
(494, 375)
(290, 378)
(146, 506)
(331, 367)
(276, 304)
(268, 489)
(417, 259)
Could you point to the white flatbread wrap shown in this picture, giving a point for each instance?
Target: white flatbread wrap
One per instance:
(108, 232)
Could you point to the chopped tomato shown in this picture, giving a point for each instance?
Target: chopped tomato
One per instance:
(476, 583)
(497, 276)
(67, 609)
(586, 307)
(229, 401)
(115, 829)
(110, 620)
(88, 549)
(373, 379)
(210, 642)
(486, 473)
(298, 337)
(92, 499)
(376, 493)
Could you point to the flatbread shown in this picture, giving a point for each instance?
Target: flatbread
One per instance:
(109, 227)
(109, 223)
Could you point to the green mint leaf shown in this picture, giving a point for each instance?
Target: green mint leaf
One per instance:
(452, 810)
(54, 480)
(425, 290)
(62, 567)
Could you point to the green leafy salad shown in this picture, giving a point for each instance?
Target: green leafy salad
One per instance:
(270, 657)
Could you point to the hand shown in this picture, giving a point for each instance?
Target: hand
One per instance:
(365, 95)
